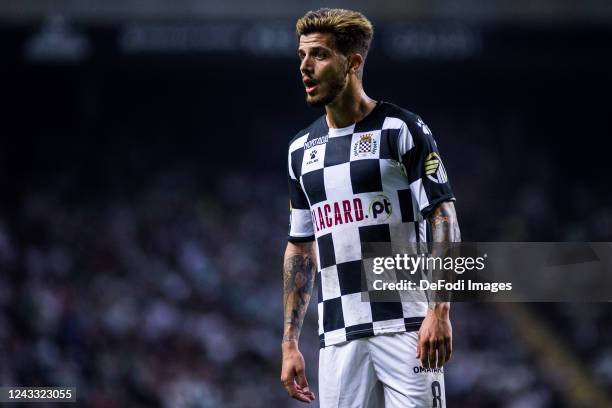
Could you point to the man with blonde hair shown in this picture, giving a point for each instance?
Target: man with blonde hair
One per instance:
(365, 171)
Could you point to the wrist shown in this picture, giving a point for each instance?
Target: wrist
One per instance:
(289, 345)
(439, 310)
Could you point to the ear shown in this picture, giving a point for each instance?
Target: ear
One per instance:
(355, 63)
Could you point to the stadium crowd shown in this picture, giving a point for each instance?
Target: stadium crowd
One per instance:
(171, 296)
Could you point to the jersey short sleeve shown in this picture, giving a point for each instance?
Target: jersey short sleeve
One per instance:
(424, 167)
(300, 220)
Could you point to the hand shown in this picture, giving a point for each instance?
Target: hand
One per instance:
(293, 373)
(435, 339)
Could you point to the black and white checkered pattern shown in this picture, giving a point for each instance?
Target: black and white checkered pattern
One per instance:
(370, 182)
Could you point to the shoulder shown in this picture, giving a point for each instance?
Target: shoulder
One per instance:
(300, 137)
(412, 129)
(410, 119)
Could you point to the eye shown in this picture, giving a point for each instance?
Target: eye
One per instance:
(320, 54)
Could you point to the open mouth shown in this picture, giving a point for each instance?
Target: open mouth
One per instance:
(310, 85)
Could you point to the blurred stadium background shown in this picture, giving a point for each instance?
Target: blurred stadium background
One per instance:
(143, 208)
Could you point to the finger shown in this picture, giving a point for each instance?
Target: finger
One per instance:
(296, 394)
(290, 387)
(302, 397)
(418, 347)
(431, 357)
(303, 384)
(441, 355)
(448, 344)
(300, 388)
(309, 395)
(301, 378)
(306, 391)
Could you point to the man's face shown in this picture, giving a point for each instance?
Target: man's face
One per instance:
(324, 70)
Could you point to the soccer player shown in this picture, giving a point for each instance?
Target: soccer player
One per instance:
(365, 171)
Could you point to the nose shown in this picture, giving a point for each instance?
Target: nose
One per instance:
(305, 65)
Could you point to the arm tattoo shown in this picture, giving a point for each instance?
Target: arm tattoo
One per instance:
(444, 228)
(298, 276)
(444, 225)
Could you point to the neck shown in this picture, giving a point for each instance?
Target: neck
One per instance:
(349, 107)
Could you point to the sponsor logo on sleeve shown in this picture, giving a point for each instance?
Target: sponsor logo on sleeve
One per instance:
(423, 126)
(434, 168)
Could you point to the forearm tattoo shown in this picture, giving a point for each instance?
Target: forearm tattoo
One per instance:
(444, 228)
(298, 277)
(444, 225)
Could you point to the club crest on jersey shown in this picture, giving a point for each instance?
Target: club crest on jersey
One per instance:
(434, 168)
(365, 146)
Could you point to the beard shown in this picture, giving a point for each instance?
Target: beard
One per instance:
(335, 86)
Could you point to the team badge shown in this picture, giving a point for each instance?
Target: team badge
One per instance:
(434, 169)
(365, 146)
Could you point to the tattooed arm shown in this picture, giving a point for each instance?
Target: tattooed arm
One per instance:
(299, 271)
(298, 275)
(444, 225)
(435, 344)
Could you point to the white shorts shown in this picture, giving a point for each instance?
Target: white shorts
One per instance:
(379, 371)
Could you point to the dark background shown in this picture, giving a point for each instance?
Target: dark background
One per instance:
(143, 206)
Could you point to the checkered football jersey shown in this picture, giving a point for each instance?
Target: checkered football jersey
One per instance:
(374, 181)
